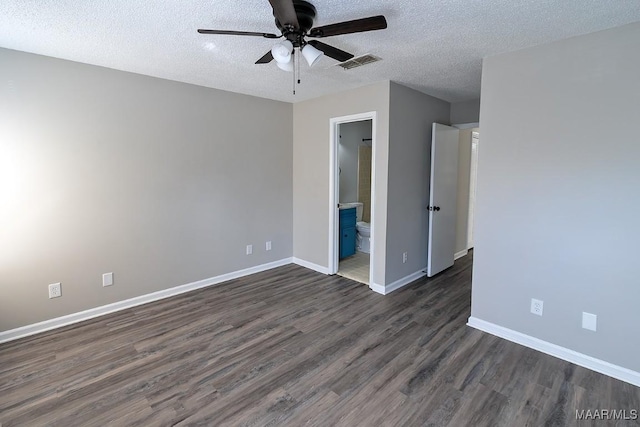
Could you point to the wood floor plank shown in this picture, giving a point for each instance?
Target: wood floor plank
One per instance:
(290, 346)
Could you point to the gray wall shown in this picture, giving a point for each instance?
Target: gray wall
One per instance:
(351, 135)
(558, 208)
(311, 170)
(162, 183)
(411, 116)
(465, 112)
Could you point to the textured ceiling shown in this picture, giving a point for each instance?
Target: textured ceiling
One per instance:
(435, 46)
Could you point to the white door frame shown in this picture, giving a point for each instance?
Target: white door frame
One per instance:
(334, 185)
(473, 185)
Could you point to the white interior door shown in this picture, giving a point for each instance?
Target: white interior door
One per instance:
(442, 199)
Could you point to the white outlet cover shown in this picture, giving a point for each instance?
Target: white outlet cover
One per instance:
(268, 245)
(537, 306)
(589, 321)
(249, 249)
(55, 290)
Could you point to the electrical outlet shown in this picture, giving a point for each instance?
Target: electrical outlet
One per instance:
(589, 321)
(107, 279)
(55, 290)
(249, 249)
(537, 306)
(268, 245)
(404, 257)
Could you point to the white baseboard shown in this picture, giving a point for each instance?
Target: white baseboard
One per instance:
(606, 368)
(387, 289)
(405, 281)
(460, 254)
(24, 331)
(310, 265)
(377, 288)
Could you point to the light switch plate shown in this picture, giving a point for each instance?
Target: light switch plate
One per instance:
(589, 321)
(107, 279)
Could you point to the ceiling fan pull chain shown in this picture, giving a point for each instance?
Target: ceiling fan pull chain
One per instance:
(298, 65)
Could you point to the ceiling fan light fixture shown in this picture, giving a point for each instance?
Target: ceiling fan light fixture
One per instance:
(281, 52)
(285, 66)
(311, 54)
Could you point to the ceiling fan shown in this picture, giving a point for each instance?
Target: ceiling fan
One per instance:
(294, 19)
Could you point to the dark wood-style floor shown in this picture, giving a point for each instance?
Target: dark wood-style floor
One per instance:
(294, 347)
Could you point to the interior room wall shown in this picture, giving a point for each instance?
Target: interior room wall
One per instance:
(161, 183)
(557, 199)
(412, 114)
(351, 137)
(465, 112)
(311, 170)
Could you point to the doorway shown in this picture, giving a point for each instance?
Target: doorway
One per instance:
(352, 201)
(473, 175)
(467, 177)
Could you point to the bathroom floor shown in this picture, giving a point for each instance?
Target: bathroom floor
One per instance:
(355, 267)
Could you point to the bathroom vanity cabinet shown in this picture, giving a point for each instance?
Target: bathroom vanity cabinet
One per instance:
(347, 232)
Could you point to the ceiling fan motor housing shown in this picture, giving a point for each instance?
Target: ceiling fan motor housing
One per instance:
(306, 13)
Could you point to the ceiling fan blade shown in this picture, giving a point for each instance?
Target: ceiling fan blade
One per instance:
(348, 27)
(285, 12)
(330, 51)
(268, 57)
(240, 33)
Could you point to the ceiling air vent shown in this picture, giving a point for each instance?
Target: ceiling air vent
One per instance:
(359, 61)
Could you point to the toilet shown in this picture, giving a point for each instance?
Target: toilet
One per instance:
(363, 231)
(363, 243)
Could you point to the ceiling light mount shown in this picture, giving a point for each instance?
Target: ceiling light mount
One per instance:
(306, 13)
